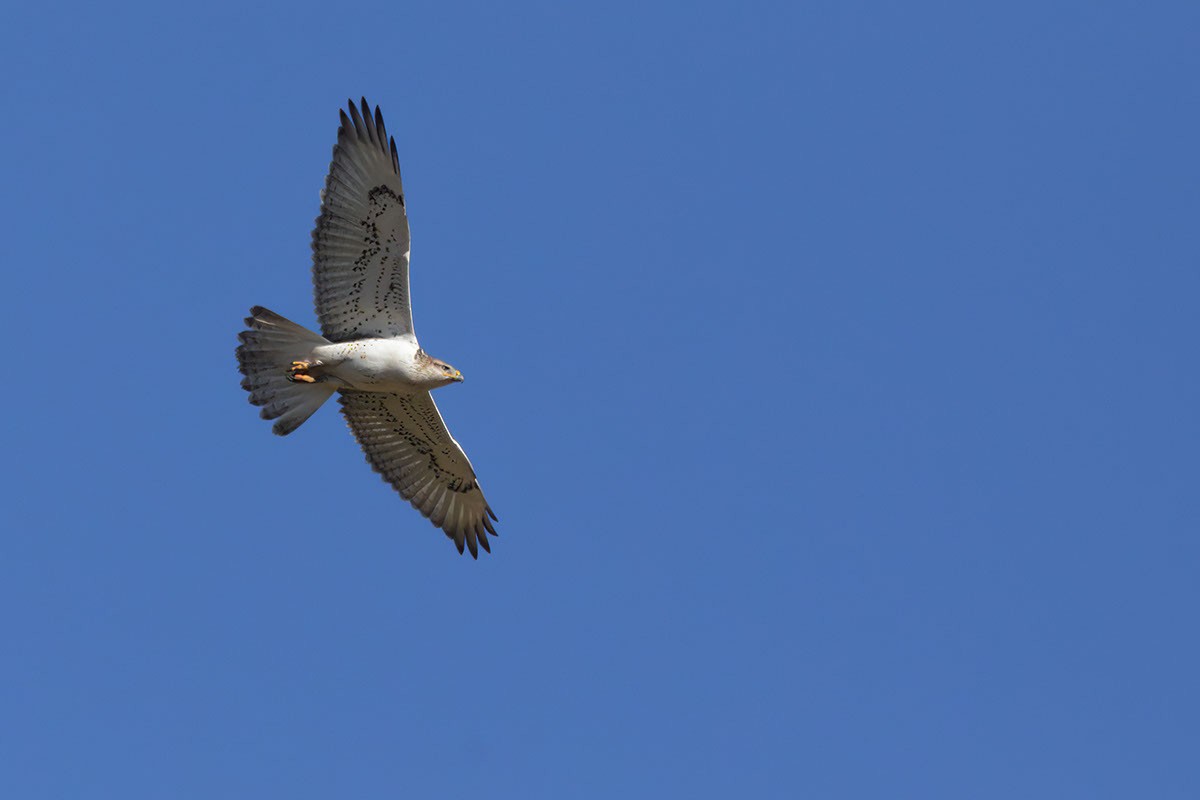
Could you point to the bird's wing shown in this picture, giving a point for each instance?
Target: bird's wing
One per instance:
(407, 443)
(361, 242)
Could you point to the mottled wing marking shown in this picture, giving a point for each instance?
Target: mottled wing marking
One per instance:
(361, 240)
(406, 441)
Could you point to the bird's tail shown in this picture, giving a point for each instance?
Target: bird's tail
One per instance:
(266, 354)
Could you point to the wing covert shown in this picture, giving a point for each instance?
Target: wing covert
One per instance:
(361, 240)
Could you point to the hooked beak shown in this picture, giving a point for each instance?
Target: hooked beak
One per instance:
(458, 378)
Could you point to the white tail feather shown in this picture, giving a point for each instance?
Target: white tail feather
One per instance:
(265, 354)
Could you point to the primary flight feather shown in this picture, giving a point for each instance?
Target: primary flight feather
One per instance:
(369, 353)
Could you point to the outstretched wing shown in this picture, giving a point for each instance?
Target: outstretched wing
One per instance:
(407, 443)
(361, 242)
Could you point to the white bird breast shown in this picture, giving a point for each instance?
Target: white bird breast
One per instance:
(377, 365)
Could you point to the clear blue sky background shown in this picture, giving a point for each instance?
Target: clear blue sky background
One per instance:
(832, 368)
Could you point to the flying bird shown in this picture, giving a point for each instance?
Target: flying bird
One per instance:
(368, 353)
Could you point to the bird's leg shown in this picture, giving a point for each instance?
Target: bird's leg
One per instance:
(299, 372)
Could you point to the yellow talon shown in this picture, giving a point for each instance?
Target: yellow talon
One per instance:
(299, 372)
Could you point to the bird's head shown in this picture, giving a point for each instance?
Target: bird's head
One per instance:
(438, 372)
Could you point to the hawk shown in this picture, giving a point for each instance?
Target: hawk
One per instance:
(368, 353)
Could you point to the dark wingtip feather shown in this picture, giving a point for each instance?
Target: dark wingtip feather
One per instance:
(491, 513)
(379, 128)
(359, 126)
(484, 542)
(368, 122)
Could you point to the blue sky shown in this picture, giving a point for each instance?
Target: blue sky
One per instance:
(832, 368)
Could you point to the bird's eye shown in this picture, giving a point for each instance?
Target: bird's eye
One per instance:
(445, 368)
